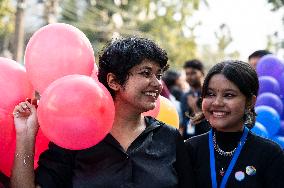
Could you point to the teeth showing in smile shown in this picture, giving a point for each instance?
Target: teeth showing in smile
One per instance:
(219, 114)
(153, 94)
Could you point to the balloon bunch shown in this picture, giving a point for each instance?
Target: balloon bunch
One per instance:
(75, 110)
(270, 101)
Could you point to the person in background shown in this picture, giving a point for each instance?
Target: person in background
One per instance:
(165, 91)
(139, 151)
(171, 79)
(255, 57)
(190, 101)
(230, 155)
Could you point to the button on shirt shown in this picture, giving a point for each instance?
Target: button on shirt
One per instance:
(156, 158)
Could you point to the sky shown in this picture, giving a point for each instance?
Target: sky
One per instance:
(250, 21)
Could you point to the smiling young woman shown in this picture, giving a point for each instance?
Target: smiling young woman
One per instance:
(139, 151)
(229, 155)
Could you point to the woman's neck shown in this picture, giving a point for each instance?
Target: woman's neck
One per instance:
(227, 141)
(127, 126)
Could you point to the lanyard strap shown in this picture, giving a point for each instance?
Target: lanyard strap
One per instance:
(232, 162)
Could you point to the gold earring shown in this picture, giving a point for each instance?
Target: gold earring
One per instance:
(249, 117)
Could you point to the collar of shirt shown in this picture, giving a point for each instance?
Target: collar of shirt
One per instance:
(151, 124)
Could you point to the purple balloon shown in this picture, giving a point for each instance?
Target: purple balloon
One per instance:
(282, 115)
(270, 99)
(270, 65)
(268, 84)
(281, 84)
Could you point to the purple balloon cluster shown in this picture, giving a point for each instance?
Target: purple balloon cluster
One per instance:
(270, 100)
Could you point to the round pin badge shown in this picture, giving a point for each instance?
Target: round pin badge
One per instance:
(250, 170)
(240, 175)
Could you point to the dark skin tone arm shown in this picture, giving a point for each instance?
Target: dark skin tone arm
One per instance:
(26, 125)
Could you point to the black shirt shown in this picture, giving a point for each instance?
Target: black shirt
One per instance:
(262, 154)
(157, 158)
(4, 181)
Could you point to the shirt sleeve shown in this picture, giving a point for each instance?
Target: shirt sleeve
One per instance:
(55, 168)
(183, 165)
(274, 173)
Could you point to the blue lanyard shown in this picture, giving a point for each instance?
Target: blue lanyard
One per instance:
(232, 163)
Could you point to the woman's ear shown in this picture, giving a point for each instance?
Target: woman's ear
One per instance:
(112, 82)
(251, 102)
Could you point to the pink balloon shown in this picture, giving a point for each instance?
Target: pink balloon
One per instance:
(57, 50)
(76, 112)
(94, 74)
(154, 113)
(14, 84)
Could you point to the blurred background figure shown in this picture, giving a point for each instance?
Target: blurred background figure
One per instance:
(255, 57)
(173, 83)
(172, 80)
(191, 101)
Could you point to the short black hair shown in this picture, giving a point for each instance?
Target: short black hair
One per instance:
(259, 54)
(195, 64)
(120, 55)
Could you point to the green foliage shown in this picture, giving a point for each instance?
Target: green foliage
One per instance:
(276, 3)
(6, 22)
(164, 21)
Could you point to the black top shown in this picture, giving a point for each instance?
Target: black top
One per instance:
(4, 180)
(261, 161)
(157, 158)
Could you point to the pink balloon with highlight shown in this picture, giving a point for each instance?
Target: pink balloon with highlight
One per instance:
(76, 112)
(57, 50)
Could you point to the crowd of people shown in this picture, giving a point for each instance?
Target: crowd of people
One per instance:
(213, 147)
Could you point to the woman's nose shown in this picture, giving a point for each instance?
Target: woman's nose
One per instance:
(218, 101)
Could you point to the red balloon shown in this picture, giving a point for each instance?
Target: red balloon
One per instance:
(76, 112)
(154, 113)
(7, 142)
(57, 50)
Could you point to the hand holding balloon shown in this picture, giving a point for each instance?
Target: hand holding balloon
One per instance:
(25, 119)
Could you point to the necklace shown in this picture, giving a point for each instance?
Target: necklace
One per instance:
(220, 151)
(222, 172)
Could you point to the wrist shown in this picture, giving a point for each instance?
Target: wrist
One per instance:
(27, 133)
(25, 138)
